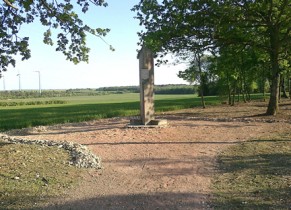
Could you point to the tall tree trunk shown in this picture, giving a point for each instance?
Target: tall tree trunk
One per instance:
(289, 85)
(198, 58)
(284, 94)
(229, 94)
(202, 97)
(263, 85)
(248, 94)
(238, 96)
(273, 106)
(228, 87)
(239, 90)
(234, 92)
(246, 89)
(264, 92)
(233, 97)
(244, 97)
(243, 91)
(280, 88)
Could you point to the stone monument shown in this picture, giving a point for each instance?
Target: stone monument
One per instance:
(146, 82)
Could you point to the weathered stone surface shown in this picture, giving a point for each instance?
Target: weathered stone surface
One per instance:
(146, 78)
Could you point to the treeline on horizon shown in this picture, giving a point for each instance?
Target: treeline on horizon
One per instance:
(209, 89)
(159, 89)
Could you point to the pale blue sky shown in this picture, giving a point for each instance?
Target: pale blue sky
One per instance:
(105, 68)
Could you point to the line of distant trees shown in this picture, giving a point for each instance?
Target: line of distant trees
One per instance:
(159, 89)
(48, 93)
(210, 88)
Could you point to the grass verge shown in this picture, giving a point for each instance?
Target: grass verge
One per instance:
(30, 175)
(255, 175)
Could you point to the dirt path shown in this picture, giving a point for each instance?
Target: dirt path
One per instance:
(152, 168)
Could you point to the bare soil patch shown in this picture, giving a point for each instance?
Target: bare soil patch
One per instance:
(160, 168)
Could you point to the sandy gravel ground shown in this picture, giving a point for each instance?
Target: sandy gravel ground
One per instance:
(156, 168)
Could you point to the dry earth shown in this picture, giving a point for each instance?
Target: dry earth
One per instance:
(159, 168)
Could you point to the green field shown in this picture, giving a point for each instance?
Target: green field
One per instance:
(83, 108)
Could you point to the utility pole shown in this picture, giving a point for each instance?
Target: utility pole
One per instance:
(19, 81)
(4, 88)
(39, 83)
(2, 77)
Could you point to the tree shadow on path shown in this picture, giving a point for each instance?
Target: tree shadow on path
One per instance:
(169, 201)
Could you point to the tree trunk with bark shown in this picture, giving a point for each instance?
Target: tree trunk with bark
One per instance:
(273, 106)
(228, 87)
(201, 81)
(264, 92)
(234, 93)
(283, 89)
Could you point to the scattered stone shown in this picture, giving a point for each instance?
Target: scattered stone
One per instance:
(45, 180)
(81, 156)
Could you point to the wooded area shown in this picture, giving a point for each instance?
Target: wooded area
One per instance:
(246, 43)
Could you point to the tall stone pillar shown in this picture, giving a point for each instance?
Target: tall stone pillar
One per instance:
(146, 78)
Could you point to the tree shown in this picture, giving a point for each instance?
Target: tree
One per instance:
(60, 16)
(264, 25)
(173, 26)
(198, 72)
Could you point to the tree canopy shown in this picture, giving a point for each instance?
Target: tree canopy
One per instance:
(59, 16)
(176, 26)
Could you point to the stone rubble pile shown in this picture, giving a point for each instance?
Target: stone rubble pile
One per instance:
(81, 156)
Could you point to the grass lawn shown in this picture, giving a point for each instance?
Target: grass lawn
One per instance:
(83, 108)
(255, 175)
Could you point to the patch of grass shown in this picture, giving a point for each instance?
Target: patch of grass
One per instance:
(255, 175)
(32, 174)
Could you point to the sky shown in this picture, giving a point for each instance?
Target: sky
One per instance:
(105, 68)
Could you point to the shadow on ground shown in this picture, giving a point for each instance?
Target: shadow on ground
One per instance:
(255, 175)
(169, 201)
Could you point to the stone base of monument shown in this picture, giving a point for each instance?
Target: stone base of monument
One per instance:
(137, 123)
